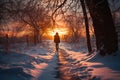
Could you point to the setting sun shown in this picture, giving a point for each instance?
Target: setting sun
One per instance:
(61, 31)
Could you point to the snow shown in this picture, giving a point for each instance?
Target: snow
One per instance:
(29, 63)
(99, 67)
(41, 62)
(109, 65)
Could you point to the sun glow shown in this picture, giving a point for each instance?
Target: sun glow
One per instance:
(61, 31)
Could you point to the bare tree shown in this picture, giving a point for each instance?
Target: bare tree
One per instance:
(87, 25)
(106, 37)
(103, 29)
(74, 24)
(30, 12)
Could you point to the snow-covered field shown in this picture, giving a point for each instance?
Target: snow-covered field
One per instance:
(41, 62)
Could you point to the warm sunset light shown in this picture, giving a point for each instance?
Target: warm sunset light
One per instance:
(59, 40)
(61, 31)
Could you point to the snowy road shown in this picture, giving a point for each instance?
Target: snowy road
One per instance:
(40, 62)
(71, 69)
(50, 72)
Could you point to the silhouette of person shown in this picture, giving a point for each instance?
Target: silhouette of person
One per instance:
(57, 40)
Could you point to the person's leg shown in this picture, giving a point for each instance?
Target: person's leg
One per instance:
(56, 46)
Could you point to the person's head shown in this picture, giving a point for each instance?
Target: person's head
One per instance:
(56, 33)
(6, 35)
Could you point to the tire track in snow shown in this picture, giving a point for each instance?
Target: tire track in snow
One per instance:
(63, 68)
(70, 71)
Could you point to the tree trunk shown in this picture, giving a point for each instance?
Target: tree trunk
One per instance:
(104, 28)
(36, 36)
(87, 25)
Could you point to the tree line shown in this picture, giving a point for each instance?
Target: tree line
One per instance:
(38, 15)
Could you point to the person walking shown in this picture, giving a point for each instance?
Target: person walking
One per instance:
(56, 41)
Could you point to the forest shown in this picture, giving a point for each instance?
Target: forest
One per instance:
(89, 33)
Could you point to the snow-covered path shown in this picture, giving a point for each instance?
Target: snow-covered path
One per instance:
(71, 69)
(41, 62)
(48, 68)
(50, 72)
(38, 62)
(80, 66)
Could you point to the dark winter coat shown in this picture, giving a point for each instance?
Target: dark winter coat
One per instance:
(56, 39)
